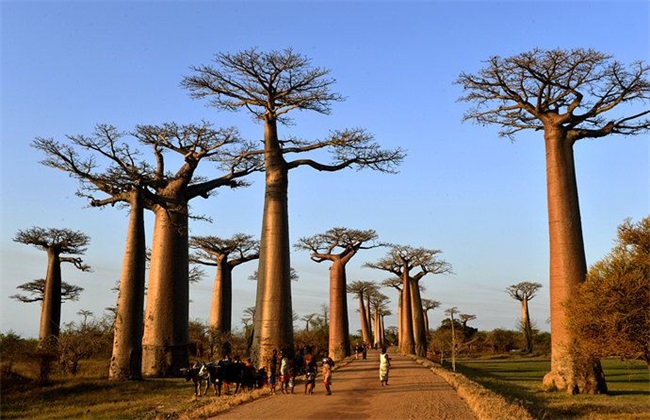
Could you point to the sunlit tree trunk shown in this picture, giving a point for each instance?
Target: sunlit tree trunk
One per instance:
(407, 343)
(568, 267)
(126, 361)
(525, 323)
(51, 309)
(339, 337)
(369, 317)
(365, 332)
(419, 332)
(221, 307)
(166, 331)
(273, 315)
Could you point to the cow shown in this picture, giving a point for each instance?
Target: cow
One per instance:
(198, 375)
(252, 378)
(223, 372)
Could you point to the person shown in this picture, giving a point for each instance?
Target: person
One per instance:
(273, 367)
(364, 349)
(384, 366)
(310, 377)
(284, 371)
(327, 374)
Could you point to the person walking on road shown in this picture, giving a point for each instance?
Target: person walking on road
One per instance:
(327, 374)
(384, 366)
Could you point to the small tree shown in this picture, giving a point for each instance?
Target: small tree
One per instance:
(523, 292)
(362, 289)
(57, 243)
(451, 312)
(611, 311)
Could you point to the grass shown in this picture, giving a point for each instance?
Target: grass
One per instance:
(91, 395)
(519, 380)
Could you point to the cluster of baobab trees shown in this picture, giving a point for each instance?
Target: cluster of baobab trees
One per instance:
(568, 95)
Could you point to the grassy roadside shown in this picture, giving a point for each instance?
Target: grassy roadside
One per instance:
(503, 388)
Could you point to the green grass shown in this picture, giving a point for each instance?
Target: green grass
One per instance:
(520, 379)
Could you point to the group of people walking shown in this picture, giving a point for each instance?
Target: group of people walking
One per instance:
(284, 367)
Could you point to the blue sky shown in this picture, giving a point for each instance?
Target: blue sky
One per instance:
(67, 66)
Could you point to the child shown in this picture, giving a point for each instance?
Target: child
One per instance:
(327, 374)
(273, 367)
(310, 378)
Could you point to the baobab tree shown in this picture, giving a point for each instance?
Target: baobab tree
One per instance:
(451, 312)
(37, 290)
(569, 95)
(127, 179)
(270, 85)
(428, 305)
(465, 318)
(361, 289)
(396, 283)
(338, 245)
(523, 292)
(166, 336)
(401, 261)
(378, 303)
(61, 246)
(122, 180)
(225, 255)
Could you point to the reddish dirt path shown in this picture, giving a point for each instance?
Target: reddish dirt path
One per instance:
(414, 392)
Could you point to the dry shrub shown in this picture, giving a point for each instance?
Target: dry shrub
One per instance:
(484, 403)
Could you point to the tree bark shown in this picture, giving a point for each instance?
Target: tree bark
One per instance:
(528, 330)
(568, 268)
(339, 337)
(221, 308)
(51, 307)
(273, 315)
(126, 361)
(407, 345)
(166, 329)
(365, 333)
(419, 332)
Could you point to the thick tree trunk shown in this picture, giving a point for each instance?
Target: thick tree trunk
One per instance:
(407, 343)
(365, 332)
(221, 308)
(369, 320)
(166, 328)
(273, 313)
(339, 337)
(525, 321)
(126, 361)
(568, 268)
(419, 332)
(51, 307)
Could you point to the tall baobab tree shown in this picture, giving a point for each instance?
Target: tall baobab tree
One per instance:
(225, 255)
(62, 246)
(401, 261)
(567, 94)
(123, 178)
(428, 305)
(523, 292)
(361, 289)
(126, 179)
(378, 303)
(338, 245)
(166, 336)
(396, 283)
(270, 85)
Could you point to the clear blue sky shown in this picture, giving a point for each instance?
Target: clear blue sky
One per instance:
(481, 199)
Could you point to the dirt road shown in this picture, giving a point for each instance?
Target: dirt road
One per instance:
(414, 392)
